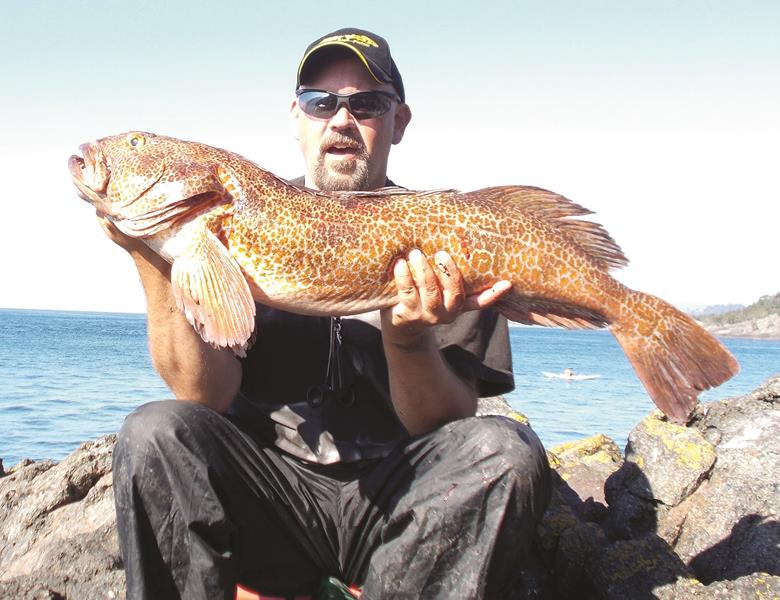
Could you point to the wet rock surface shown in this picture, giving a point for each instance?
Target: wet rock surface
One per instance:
(58, 528)
(688, 512)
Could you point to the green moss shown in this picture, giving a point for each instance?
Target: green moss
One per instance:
(594, 449)
(518, 417)
(688, 446)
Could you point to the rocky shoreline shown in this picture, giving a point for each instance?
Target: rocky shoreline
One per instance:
(686, 512)
(764, 328)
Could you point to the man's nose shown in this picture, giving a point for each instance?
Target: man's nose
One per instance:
(343, 118)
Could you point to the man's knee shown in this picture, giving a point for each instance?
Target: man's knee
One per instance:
(502, 438)
(157, 426)
(505, 448)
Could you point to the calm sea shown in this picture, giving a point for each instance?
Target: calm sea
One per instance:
(66, 377)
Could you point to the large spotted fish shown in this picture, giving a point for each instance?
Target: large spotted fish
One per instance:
(235, 234)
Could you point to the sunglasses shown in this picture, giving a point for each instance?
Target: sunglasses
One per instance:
(363, 105)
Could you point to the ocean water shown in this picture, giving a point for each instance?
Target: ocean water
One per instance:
(66, 377)
(562, 410)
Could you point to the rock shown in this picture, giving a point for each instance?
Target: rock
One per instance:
(635, 568)
(732, 527)
(755, 586)
(58, 528)
(576, 559)
(497, 405)
(767, 327)
(690, 513)
(584, 465)
(665, 463)
(673, 460)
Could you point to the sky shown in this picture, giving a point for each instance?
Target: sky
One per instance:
(661, 117)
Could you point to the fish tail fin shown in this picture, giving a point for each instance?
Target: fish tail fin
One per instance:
(674, 357)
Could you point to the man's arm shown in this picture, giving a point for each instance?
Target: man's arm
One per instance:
(192, 369)
(425, 391)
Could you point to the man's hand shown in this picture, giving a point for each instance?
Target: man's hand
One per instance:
(134, 246)
(428, 296)
(120, 239)
(424, 390)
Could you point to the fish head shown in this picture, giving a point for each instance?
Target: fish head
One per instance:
(137, 174)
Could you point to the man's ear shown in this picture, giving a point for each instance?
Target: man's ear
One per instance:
(402, 117)
(295, 115)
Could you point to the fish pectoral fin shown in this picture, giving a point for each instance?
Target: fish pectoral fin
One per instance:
(211, 291)
(538, 311)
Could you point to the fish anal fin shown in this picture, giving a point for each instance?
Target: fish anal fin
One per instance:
(540, 311)
(211, 291)
(556, 210)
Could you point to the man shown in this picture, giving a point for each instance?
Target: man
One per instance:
(341, 448)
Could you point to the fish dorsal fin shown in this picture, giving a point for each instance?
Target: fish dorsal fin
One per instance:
(396, 190)
(211, 291)
(389, 190)
(557, 211)
(384, 192)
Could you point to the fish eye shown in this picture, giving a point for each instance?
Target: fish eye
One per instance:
(136, 140)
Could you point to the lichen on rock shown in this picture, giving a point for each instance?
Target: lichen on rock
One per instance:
(690, 513)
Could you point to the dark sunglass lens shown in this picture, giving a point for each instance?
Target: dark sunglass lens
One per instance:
(318, 104)
(365, 105)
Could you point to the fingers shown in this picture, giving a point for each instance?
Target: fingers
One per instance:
(487, 297)
(453, 291)
(118, 237)
(427, 295)
(419, 297)
(404, 282)
(427, 284)
(430, 295)
(107, 226)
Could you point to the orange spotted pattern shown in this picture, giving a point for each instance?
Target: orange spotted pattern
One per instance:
(332, 253)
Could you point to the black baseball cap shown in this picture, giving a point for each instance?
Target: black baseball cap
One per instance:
(370, 48)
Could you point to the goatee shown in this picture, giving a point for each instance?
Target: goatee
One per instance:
(345, 174)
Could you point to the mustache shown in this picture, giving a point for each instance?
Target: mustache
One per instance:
(342, 139)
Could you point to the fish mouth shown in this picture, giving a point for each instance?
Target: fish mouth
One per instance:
(90, 174)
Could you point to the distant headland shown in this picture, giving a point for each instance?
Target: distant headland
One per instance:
(759, 320)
